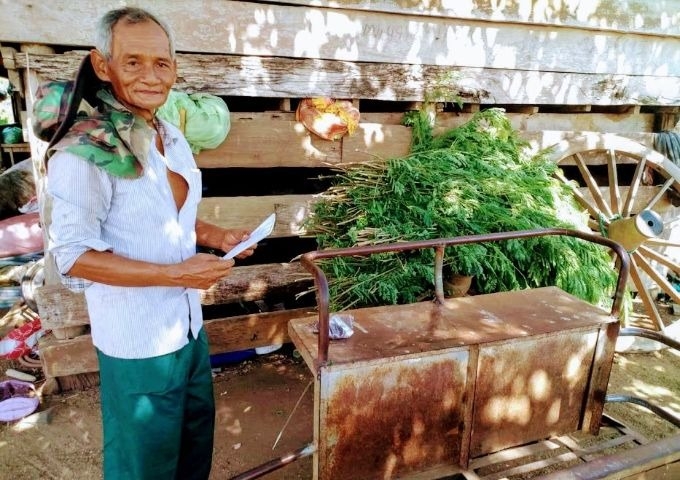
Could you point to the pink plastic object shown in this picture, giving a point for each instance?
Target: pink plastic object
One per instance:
(20, 235)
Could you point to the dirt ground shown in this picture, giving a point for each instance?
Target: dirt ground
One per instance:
(254, 399)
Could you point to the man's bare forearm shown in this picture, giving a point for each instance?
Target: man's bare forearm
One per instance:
(209, 235)
(200, 271)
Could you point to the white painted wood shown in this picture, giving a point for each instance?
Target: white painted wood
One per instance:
(261, 29)
(252, 76)
(634, 16)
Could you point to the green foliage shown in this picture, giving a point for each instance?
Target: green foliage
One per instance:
(5, 103)
(473, 179)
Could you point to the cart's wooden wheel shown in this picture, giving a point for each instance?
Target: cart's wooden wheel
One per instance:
(630, 192)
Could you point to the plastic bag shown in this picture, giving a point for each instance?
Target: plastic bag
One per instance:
(17, 400)
(340, 325)
(202, 117)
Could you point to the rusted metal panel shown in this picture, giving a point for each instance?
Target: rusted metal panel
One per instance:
(531, 388)
(537, 350)
(387, 419)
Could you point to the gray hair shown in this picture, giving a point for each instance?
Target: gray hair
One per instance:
(104, 32)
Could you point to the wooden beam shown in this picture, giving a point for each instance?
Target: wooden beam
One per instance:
(8, 55)
(232, 334)
(258, 142)
(67, 357)
(61, 308)
(256, 282)
(261, 29)
(247, 212)
(290, 78)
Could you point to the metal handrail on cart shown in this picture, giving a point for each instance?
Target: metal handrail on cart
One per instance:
(439, 246)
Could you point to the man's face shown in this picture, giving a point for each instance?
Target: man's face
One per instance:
(141, 69)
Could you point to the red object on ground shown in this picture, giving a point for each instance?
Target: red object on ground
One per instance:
(21, 340)
(21, 235)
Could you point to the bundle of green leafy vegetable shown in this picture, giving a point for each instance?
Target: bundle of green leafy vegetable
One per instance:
(473, 179)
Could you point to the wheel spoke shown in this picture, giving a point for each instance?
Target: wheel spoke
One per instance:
(660, 193)
(632, 191)
(594, 212)
(657, 277)
(643, 293)
(592, 185)
(659, 258)
(614, 192)
(661, 242)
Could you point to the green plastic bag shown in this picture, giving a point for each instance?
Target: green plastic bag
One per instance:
(202, 117)
(12, 135)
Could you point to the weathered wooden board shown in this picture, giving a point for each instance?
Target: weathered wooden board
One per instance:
(255, 76)
(637, 16)
(270, 142)
(249, 331)
(254, 282)
(248, 28)
(61, 308)
(380, 141)
(67, 357)
(247, 212)
(61, 357)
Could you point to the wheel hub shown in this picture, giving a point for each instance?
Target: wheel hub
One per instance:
(631, 232)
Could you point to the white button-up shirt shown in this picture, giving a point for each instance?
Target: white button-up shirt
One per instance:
(137, 219)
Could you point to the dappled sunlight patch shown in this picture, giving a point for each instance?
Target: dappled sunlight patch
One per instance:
(372, 133)
(508, 408)
(540, 385)
(235, 427)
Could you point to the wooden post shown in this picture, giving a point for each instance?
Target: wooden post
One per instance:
(666, 121)
(31, 82)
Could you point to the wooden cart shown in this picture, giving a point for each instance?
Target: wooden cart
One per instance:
(460, 385)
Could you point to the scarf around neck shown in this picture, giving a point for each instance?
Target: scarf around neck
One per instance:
(108, 135)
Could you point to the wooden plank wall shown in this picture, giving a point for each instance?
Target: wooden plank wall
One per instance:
(557, 67)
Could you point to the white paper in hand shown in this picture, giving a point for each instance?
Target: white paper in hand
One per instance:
(262, 231)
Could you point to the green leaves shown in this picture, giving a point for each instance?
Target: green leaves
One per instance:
(470, 180)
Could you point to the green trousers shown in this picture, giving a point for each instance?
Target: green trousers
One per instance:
(158, 414)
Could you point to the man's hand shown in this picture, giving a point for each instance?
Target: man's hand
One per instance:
(234, 237)
(212, 236)
(201, 271)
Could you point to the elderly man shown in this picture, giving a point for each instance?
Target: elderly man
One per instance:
(124, 226)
